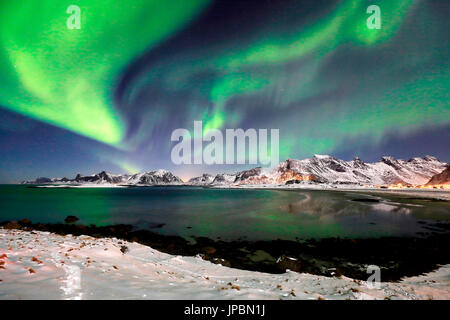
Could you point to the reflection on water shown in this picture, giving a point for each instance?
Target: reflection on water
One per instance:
(227, 214)
(322, 204)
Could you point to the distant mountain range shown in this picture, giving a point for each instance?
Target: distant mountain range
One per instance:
(159, 177)
(318, 169)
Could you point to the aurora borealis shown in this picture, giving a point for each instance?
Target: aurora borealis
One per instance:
(108, 95)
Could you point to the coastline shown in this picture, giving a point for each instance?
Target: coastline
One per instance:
(397, 257)
(437, 194)
(43, 265)
(422, 193)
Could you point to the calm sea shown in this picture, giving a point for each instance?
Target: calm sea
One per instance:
(227, 214)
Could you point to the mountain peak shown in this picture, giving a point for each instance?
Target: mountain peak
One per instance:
(430, 158)
(322, 156)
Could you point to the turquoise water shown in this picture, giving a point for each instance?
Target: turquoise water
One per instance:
(228, 214)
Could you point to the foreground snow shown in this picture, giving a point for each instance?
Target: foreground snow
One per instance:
(41, 265)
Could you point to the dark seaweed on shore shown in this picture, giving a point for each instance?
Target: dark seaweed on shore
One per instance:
(397, 257)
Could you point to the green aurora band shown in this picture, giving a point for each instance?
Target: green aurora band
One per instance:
(66, 77)
(380, 101)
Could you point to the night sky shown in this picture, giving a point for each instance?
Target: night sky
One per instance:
(108, 96)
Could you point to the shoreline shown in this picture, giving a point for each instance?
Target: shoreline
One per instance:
(43, 265)
(437, 194)
(396, 256)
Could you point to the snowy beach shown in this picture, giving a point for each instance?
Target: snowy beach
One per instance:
(42, 265)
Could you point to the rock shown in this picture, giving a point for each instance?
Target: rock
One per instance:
(209, 250)
(294, 181)
(156, 225)
(71, 219)
(335, 272)
(261, 256)
(12, 225)
(81, 228)
(220, 261)
(285, 262)
(34, 259)
(25, 222)
(124, 249)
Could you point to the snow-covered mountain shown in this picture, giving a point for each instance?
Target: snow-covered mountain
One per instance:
(440, 178)
(224, 179)
(204, 179)
(159, 177)
(318, 169)
(327, 169)
(386, 171)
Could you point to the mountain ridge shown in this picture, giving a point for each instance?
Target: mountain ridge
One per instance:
(157, 177)
(328, 169)
(318, 169)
